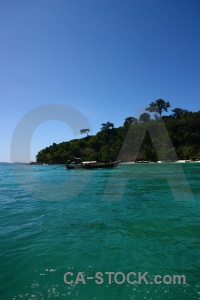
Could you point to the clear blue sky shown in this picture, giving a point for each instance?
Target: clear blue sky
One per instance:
(106, 58)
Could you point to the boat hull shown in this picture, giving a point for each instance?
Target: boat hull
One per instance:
(93, 165)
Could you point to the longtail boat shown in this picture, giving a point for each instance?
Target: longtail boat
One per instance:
(79, 164)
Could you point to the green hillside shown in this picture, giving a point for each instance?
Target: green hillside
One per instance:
(183, 128)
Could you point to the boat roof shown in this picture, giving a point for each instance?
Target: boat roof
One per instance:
(89, 162)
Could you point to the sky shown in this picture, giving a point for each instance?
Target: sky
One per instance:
(107, 59)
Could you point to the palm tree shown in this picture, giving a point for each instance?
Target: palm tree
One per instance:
(84, 131)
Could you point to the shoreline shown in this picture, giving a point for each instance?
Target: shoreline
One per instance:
(160, 162)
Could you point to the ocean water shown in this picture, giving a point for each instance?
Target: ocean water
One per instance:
(135, 218)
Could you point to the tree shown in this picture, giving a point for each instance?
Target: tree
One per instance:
(145, 117)
(129, 121)
(178, 112)
(106, 126)
(84, 131)
(158, 106)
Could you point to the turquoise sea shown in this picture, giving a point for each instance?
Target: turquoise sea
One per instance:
(135, 218)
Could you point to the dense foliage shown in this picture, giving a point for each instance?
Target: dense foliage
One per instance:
(133, 141)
